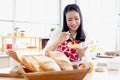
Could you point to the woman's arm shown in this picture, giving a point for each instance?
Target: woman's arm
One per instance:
(53, 46)
(56, 38)
(61, 38)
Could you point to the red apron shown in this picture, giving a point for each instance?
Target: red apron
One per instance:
(71, 53)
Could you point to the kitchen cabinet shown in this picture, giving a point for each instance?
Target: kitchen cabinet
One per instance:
(21, 43)
(4, 61)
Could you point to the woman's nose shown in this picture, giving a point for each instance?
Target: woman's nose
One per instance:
(73, 22)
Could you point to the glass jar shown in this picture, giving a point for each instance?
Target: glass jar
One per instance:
(15, 33)
(22, 33)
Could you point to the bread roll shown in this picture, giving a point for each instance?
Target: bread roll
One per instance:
(47, 63)
(61, 60)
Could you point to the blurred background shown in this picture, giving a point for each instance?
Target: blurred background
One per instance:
(101, 19)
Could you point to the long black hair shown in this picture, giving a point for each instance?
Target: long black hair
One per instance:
(80, 32)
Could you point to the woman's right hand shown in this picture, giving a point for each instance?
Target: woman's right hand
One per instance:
(63, 36)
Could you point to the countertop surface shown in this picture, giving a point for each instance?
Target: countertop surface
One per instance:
(3, 55)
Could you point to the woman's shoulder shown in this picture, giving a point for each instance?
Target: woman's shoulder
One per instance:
(56, 32)
(58, 29)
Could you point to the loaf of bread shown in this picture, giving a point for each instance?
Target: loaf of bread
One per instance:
(112, 53)
(47, 63)
(56, 61)
(61, 60)
(30, 63)
(26, 61)
(14, 55)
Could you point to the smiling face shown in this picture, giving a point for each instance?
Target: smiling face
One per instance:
(73, 20)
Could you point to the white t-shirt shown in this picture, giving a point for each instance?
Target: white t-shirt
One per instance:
(54, 36)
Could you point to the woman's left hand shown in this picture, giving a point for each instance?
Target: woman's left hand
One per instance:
(82, 50)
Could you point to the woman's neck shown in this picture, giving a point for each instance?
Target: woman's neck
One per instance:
(72, 33)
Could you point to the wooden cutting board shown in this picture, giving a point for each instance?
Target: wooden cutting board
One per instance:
(105, 56)
(11, 75)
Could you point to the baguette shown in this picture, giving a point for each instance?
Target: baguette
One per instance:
(30, 63)
(27, 62)
(38, 63)
(14, 55)
(47, 63)
(61, 60)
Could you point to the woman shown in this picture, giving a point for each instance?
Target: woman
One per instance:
(72, 31)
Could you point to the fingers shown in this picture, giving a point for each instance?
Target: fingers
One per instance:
(82, 50)
(85, 47)
(65, 35)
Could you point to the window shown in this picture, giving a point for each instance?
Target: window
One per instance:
(37, 13)
(28, 15)
(6, 10)
(100, 21)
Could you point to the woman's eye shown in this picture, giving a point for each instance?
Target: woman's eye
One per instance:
(70, 20)
(73, 19)
(77, 19)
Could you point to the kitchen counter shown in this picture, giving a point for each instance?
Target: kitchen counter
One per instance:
(3, 55)
(107, 75)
